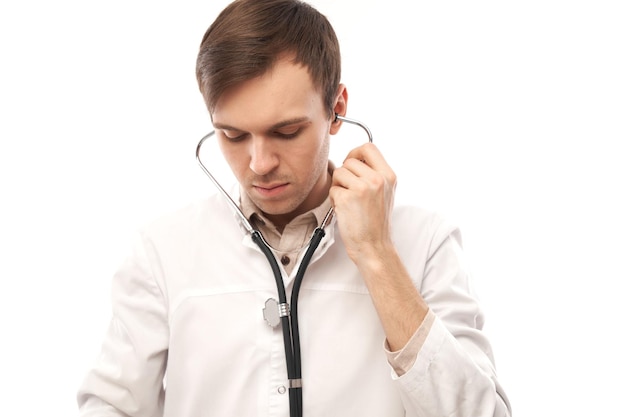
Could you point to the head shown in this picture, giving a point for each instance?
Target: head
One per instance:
(269, 71)
(249, 36)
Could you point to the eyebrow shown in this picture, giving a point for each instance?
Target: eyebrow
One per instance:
(275, 126)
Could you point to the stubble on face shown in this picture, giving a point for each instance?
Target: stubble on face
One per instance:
(308, 192)
(297, 180)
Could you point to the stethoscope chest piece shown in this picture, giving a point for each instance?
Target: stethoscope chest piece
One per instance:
(273, 311)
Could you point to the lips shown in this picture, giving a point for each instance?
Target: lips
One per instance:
(270, 190)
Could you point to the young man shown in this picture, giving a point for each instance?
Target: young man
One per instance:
(388, 323)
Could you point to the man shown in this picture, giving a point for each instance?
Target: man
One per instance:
(388, 323)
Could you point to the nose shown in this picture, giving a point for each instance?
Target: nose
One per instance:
(263, 158)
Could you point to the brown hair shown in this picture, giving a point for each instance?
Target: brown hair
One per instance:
(249, 36)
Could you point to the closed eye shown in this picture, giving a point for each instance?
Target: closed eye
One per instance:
(233, 135)
(287, 133)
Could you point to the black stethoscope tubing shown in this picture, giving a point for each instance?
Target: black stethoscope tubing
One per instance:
(288, 312)
(291, 333)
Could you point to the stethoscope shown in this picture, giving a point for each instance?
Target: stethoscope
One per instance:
(279, 312)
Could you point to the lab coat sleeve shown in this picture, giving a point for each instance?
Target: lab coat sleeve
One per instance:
(127, 376)
(454, 372)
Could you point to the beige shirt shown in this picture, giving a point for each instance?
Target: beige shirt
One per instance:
(295, 237)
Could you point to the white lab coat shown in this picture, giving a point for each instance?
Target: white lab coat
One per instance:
(187, 314)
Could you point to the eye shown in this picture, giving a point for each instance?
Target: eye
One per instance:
(233, 135)
(287, 133)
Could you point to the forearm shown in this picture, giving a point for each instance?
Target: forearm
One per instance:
(399, 305)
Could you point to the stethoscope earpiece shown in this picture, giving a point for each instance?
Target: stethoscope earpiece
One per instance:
(338, 118)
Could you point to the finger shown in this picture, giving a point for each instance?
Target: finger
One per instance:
(357, 167)
(370, 155)
(345, 178)
(374, 171)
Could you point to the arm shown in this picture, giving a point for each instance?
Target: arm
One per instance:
(362, 194)
(453, 372)
(127, 377)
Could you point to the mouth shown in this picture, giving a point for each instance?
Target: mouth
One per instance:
(270, 190)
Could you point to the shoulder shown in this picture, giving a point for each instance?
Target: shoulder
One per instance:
(413, 224)
(413, 216)
(197, 217)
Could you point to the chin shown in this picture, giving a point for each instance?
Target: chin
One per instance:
(277, 208)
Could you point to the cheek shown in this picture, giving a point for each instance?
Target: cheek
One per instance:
(313, 159)
(304, 157)
(323, 146)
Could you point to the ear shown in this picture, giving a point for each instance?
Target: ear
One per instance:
(341, 106)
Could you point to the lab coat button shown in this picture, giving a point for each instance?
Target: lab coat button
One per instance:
(285, 260)
(282, 389)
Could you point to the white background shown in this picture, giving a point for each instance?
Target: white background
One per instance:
(508, 117)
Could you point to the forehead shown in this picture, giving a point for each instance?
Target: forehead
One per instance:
(286, 91)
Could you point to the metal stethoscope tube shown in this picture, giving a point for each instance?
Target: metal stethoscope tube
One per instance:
(291, 336)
